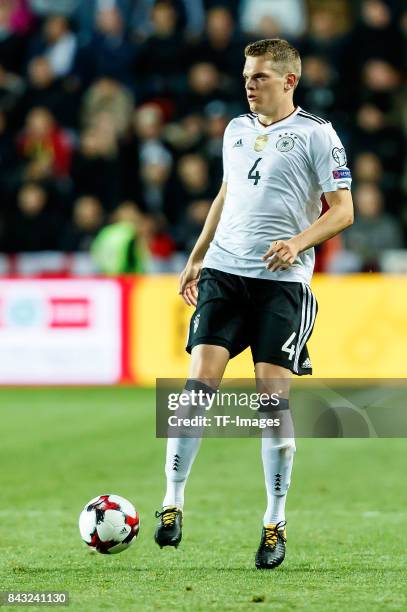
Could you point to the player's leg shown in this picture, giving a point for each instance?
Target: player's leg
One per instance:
(277, 451)
(215, 335)
(283, 319)
(208, 363)
(207, 366)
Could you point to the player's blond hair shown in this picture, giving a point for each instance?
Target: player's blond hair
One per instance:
(284, 56)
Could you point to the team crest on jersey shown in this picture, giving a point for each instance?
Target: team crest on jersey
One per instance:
(260, 142)
(339, 156)
(285, 142)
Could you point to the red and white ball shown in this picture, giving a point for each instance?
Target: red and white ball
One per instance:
(109, 524)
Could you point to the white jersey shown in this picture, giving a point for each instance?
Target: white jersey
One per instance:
(275, 177)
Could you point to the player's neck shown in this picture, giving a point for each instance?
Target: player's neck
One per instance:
(282, 112)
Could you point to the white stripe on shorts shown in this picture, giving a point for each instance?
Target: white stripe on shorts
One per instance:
(308, 315)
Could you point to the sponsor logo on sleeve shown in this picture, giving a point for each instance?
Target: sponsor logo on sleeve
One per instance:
(344, 173)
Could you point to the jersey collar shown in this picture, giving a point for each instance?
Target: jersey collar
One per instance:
(279, 122)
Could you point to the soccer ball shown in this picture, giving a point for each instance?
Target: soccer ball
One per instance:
(109, 524)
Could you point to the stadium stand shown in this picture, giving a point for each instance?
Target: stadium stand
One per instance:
(112, 115)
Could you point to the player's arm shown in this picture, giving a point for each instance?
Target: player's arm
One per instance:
(327, 159)
(189, 276)
(282, 253)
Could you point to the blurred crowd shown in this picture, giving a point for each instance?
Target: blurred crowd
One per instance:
(112, 114)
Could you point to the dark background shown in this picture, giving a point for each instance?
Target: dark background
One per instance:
(112, 114)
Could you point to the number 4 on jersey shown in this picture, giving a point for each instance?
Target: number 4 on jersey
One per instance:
(287, 348)
(255, 176)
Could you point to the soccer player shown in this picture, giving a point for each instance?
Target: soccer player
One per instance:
(250, 270)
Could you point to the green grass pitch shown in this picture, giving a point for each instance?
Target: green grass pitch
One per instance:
(61, 447)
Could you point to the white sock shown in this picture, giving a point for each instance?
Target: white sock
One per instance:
(278, 456)
(181, 453)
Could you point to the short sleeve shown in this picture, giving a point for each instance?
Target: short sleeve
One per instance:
(225, 154)
(329, 160)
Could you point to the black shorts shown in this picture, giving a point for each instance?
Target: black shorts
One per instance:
(274, 318)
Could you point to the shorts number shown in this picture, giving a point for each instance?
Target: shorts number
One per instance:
(254, 176)
(287, 348)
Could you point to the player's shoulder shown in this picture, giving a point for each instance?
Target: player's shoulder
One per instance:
(238, 127)
(310, 119)
(311, 122)
(247, 120)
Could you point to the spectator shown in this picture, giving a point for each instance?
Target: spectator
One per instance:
(375, 22)
(374, 132)
(318, 89)
(149, 126)
(325, 37)
(44, 90)
(193, 184)
(117, 249)
(186, 135)
(155, 169)
(160, 59)
(15, 24)
(159, 245)
(193, 173)
(8, 160)
(109, 53)
(367, 168)
(182, 67)
(43, 8)
(147, 134)
(11, 89)
(113, 100)
(95, 167)
(136, 15)
(217, 118)
(87, 220)
(380, 82)
(21, 17)
(190, 17)
(373, 230)
(205, 85)
(192, 225)
(221, 46)
(34, 225)
(57, 44)
(44, 144)
(289, 16)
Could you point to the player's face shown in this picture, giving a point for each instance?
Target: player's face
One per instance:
(265, 87)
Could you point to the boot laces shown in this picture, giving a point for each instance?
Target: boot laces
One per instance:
(167, 516)
(271, 533)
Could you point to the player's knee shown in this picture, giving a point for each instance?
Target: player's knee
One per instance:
(209, 372)
(208, 363)
(285, 446)
(288, 451)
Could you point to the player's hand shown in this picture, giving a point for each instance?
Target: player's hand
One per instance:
(281, 255)
(188, 282)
